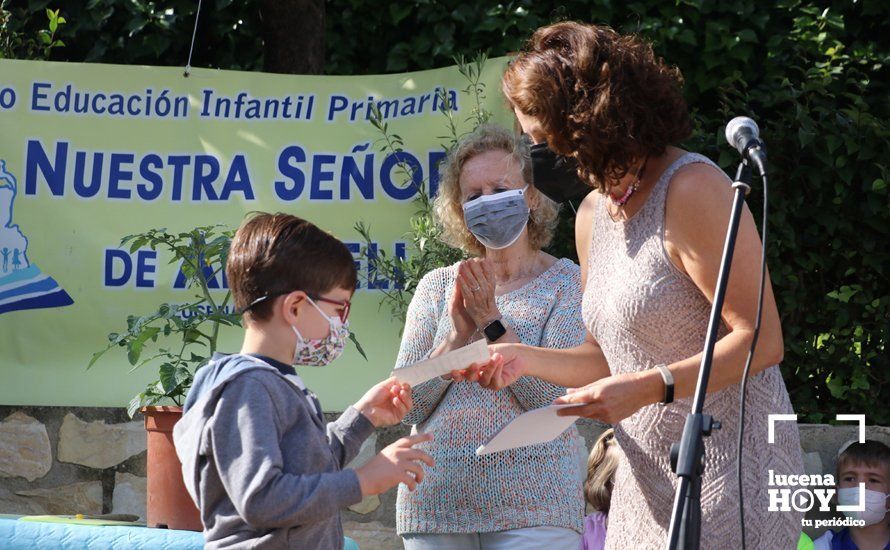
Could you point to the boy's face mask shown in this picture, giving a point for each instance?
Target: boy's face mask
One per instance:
(318, 352)
(556, 176)
(497, 220)
(875, 504)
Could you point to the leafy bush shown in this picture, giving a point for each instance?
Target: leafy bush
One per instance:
(148, 33)
(16, 44)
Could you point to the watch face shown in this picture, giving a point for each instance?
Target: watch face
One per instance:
(494, 331)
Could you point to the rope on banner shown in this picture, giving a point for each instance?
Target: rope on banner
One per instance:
(188, 64)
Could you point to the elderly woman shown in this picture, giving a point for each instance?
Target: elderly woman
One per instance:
(510, 292)
(649, 243)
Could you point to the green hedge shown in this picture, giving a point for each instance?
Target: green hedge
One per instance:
(814, 75)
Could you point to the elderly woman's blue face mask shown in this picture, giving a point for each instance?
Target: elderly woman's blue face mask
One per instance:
(497, 220)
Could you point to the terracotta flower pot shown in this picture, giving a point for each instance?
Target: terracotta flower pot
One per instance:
(169, 504)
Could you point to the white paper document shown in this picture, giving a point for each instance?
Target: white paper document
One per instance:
(461, 358)
(529, 428)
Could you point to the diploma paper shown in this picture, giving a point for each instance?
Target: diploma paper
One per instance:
(529, 428)
(461, 358)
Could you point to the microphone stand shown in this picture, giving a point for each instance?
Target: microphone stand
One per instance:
(687, 457)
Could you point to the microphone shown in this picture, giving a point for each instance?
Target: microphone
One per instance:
(743, 135)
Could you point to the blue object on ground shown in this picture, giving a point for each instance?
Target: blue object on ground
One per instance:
(33, 535)
(27, 535)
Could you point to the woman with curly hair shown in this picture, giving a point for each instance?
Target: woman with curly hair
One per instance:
(649, 241)
(510, 291)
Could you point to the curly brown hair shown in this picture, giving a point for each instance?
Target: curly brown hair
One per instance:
(600, 97)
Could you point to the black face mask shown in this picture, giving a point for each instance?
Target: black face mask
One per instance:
(556, 176)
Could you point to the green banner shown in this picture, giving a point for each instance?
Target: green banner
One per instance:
(92, 153)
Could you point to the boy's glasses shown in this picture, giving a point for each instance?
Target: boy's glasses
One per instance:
(343, 313)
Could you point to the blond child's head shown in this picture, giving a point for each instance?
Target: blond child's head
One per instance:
(601, 465)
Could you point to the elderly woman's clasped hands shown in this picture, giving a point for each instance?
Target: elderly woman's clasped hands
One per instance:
(472, 304)
(473, 307)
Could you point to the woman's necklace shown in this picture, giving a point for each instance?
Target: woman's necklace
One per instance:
(631, 189)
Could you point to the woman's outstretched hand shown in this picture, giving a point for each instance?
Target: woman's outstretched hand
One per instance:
(505, 366)
(613, 398)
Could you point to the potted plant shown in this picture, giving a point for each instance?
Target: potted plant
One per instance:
(179, 338)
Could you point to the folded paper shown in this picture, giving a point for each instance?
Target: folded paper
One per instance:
(458, 359)
(529, 428)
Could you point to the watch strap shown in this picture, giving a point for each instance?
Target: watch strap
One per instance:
(668, 384)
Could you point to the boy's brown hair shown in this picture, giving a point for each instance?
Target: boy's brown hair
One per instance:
(275, 254)
(872, 453)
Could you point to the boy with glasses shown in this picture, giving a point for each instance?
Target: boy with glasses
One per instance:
(258, 458)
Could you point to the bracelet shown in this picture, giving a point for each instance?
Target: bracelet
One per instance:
(668, 384)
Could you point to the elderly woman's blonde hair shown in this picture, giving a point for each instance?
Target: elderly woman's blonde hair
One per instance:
(449, 209)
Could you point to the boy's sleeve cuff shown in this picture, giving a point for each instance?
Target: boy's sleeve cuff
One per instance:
(356, 424)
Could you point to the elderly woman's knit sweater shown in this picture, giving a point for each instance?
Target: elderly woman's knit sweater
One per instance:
(533, 486)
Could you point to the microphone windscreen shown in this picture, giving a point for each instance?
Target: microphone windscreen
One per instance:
(736, 124)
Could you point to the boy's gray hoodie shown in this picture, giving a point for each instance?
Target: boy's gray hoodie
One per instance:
(260, 464)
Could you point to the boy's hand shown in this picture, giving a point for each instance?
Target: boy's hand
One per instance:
(386, 403)
(398, 463)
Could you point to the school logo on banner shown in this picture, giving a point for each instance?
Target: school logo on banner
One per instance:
(22, 284)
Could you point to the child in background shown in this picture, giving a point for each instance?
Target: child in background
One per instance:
(258, 458)
(601, 467)
(857, 463)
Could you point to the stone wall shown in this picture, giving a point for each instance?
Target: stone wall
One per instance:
(68, 460)
(71, 460)
(56, 460)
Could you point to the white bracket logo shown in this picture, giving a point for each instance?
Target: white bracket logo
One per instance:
(860, 418)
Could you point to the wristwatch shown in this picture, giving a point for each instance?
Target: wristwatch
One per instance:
(494, 330)
(668, 384)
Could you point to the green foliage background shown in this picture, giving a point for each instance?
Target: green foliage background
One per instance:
(814, 75)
